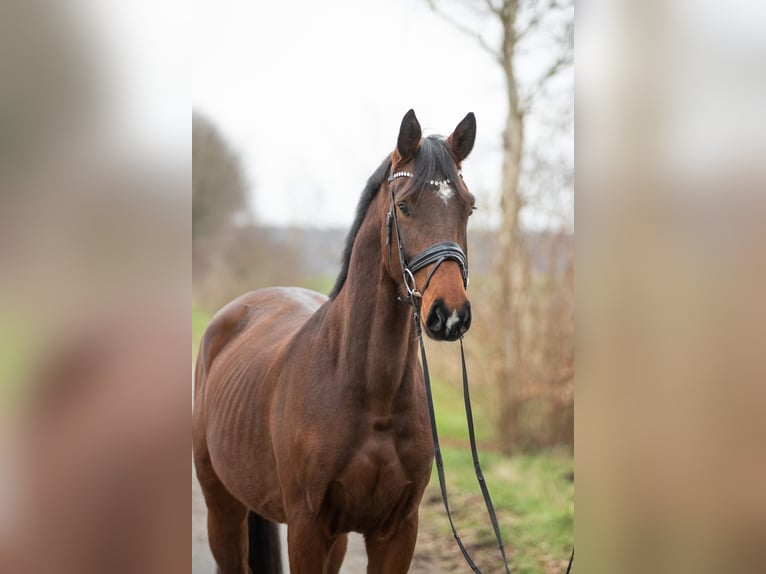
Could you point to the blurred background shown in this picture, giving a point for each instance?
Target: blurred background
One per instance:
(96, 252)
(297, 103)
(95, 261)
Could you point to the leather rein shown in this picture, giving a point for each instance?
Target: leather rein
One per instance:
(437, 254)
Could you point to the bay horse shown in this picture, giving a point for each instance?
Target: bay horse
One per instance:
(311, 410)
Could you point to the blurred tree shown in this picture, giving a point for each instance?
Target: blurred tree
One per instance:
(219, 189)
(231, 256)
(551, 23)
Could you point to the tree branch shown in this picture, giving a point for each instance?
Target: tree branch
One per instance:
(563, 61)
(466, 30)
(492, 8)
(536, 18)
(533, 23)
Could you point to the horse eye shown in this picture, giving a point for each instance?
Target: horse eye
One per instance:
(405, 209)
(473, 210)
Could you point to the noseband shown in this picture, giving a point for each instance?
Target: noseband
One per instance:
(436, 254)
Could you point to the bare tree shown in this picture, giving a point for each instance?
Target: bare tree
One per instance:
(516, 23)
(231, 257)
(219, 190)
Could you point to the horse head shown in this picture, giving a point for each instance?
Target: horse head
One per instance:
(425, 228)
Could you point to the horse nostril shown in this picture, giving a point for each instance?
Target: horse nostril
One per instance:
(436, 318)
(465, 318)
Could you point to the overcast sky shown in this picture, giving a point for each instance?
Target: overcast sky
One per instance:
(310, 94)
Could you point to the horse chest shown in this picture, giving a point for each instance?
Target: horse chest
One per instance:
(374, 490)
(375, 470)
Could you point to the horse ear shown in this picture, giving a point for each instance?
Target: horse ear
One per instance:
(409, 136)
(461, 140)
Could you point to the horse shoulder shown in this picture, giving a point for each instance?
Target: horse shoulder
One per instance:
(223, 328)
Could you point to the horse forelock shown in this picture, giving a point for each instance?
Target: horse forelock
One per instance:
(434, 161)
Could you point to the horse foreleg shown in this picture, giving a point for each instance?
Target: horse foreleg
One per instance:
(337, 553)
(227, 534)
(226, 521)
(393, 556)
(308, 548)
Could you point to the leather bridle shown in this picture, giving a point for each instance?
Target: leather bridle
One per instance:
(437, 254)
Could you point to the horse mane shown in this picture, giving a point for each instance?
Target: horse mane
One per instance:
(433, 161)
(369, 193)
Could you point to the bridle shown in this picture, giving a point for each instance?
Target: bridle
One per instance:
(437, 254)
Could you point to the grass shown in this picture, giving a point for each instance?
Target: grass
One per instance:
(533, 498)
(200, 320)
(319, 283)
(532, 494)
(450, 413)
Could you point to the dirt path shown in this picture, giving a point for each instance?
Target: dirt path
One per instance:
(202, 561)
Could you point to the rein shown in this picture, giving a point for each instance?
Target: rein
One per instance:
(437, 254)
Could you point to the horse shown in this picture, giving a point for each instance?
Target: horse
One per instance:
(310, 410)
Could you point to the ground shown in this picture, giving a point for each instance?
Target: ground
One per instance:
(435, 552)
(202, 560)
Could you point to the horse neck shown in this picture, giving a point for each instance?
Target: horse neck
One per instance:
(376, 343)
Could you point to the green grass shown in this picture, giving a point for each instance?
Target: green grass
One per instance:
(533, 498)
(532, 494)
(318, 283)
(200, 320)
(450, 413)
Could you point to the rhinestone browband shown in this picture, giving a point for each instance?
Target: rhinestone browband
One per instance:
(435, 182)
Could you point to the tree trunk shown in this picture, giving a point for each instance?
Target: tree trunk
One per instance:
(521, 301)
(511, 264)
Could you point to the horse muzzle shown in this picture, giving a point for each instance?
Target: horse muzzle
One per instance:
(447, 324)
